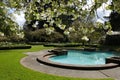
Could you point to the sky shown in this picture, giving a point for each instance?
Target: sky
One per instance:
(101, 12)
(20, 18)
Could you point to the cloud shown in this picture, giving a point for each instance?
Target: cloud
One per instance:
(102, 12)
(19, 18)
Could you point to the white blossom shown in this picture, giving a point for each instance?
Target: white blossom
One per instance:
(1, 34)
(85, 38)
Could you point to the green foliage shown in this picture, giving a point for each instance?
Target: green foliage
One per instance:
(97, 36)
(63, 14)
(7, 24)
(57, 14)
(62, 44)
(80, 29)
(14, 47)
(43, 36)
(60, 15)
(3, 39)
(116, 5)
(15, 38)
(12, 38)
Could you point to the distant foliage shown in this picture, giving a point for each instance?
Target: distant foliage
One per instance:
(42, 36)
(115, 21)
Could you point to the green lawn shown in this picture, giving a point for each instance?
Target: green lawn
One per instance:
(11, 69)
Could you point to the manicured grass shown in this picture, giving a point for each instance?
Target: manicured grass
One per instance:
(11, 69)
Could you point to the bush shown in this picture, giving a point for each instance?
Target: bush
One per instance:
(14, 47)
(9, 45)
(12, 38)
(74, 37)
(63, 44)
(4, 39)
(42, 36)
(16, 38)
(37, 43)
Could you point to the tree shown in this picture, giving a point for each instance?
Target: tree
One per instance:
(58, 14)
(8, 27)
(115, 16)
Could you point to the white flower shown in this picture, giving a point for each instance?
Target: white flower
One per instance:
(66, 32)
(106, 27)
(85, 38)
(21, 35)
(55, 10)
(51, 22)
(110, 32)
(1, 34)
(45, 25)
(71, 29)
(43, 16)
(49, 30)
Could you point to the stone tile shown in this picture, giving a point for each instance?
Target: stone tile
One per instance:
(114, 72)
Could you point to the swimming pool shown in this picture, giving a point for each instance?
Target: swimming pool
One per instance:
(77, 57)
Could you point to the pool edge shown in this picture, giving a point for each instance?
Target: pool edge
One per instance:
(44, 58)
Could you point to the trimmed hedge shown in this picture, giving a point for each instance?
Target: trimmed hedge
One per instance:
(9, 45)
(63, 44)
(37, 43)
(70, 45)
(14, 47)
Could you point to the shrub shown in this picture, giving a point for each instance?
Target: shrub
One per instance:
(14, 47)
(36, 43)
(9, 45)
(41, 36)
(15, 38)
(4, 39)
(63, 44)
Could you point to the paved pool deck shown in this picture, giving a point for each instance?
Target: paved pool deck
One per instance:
(31, 63)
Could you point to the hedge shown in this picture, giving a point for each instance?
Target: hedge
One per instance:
(62, 44)
(37, 43)
(14, 47)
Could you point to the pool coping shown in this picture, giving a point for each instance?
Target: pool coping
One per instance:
(44, 58)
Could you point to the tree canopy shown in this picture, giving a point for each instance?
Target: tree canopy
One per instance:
(53, 15)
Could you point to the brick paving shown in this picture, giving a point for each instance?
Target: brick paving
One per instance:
(31, 63)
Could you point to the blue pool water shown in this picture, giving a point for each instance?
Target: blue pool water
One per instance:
(83, 57)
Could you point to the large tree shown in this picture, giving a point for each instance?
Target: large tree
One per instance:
(57, 15)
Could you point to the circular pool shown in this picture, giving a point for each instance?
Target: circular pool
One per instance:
(78, 59)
